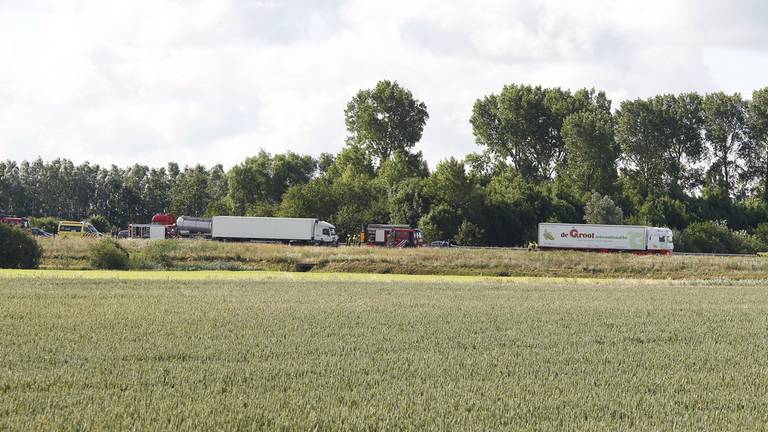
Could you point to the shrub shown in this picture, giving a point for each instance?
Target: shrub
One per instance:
(108, 254)
(761, 232)
(707, 237)
(17, 249)
(160, 251)
(602, 210)
(713, 237)
(470, 234)
(101, 223)
(664, 212)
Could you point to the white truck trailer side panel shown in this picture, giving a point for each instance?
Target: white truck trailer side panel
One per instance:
(583, 236)
(148, 231)
(263, 228)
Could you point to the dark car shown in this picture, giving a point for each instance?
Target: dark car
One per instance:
(123, 234)
(40, 233)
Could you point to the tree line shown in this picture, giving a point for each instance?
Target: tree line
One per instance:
(696, 163)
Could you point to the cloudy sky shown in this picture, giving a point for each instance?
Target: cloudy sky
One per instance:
(213, 81)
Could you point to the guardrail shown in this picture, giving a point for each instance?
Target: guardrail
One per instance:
(519, 248)
(714, 254)
(673, 253)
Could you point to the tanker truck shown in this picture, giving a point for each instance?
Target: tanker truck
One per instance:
(274, 229)
(642, 240)
(189, 226)
(183, 226)
(242, 228)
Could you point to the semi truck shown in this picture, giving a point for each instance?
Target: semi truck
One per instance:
(606, 238)
(274, 229)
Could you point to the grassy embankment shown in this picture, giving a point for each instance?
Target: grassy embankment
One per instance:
(331, 352)
(207, 255)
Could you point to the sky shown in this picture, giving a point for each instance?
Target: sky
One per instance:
(214, 81)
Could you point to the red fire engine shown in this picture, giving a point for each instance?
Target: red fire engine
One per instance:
(392, 236)
(13, 220)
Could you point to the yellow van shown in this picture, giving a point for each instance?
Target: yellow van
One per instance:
(77, 229)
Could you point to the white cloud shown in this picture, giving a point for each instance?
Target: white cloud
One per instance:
(215, 80)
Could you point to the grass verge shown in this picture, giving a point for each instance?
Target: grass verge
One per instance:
(207, 255)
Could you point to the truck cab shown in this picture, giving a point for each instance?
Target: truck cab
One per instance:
(659, 240)
(325, 233)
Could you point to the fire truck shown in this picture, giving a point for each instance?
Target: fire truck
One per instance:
(15, 221)
(391, 236)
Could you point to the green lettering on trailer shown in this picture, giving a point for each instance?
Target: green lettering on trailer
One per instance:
(636, 240)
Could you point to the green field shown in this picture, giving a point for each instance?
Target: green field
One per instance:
(302, 351)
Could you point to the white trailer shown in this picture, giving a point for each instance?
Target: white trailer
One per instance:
(147, 231)
(272, 229)
(631, 238)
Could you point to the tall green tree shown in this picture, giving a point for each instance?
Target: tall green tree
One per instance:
(523, 125)
(385, 119)
(455, 197)
(408, 202)
(10, 188)
(591, 151)
(638, 132)
(754, 151)
(289, 169)
(108, 195)
(682, 126)
(257, 185)
(190, 194)
(514, 207)
(402, 166)
(724, 125)
(85, 176)
(133, 193)
(661, 140)
(157, 191)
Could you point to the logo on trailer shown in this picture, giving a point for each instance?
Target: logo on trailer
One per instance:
(574, 233)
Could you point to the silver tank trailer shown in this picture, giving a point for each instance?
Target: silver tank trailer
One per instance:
(188, 225)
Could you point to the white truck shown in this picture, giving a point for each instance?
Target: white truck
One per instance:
(273, 229)
(146, 231)
(629, 238)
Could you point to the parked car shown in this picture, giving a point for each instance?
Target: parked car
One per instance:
(40, 233)
(123, 234)
(441, 243)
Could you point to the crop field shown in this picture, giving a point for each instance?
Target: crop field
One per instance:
(72, 254)
(200, 350)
